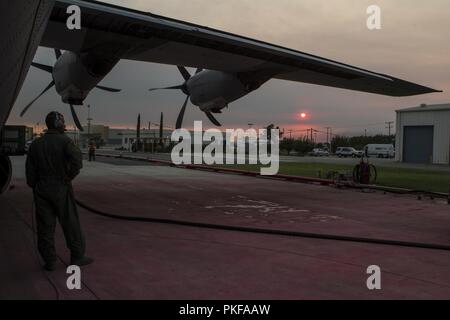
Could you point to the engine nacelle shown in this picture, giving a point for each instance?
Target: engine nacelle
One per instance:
(75, 75)
(214, 90)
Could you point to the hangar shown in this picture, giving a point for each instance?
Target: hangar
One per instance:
(423, 134)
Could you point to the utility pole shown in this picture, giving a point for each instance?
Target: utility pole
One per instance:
(389, 126)
(89, 119)
(161, 130)
(328, 135)
(331, 140)
(138, 134)
(312, 134)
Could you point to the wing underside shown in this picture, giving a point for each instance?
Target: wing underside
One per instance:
(134, 35)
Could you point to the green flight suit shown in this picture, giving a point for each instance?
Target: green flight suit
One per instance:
(53, 162)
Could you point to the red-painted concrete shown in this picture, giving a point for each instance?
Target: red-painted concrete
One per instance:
(143, 260)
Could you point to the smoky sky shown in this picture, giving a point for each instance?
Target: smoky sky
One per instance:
(412, 45)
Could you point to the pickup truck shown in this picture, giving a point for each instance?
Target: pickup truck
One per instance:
(319, 153)
(344, 152)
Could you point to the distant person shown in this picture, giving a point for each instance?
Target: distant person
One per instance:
(91, 151)
(53, 162)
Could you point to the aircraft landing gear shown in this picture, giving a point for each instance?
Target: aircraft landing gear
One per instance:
(5, 172)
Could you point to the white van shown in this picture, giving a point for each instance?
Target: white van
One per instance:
(380, 150)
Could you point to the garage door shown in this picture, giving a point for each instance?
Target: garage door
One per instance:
(418, 144)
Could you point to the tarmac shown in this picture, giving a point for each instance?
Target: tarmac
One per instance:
(379, 162)
(138, 260)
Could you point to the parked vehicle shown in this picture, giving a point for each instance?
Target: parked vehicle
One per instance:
(319, 153)
(359, 153)
(13, 140)
(344, 152)
(380, 150)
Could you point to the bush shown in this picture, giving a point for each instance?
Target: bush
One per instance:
(302, 146)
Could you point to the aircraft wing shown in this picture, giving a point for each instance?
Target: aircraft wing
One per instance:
(129, 34)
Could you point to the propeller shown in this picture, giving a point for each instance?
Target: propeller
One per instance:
(212, 118)
(51, 84)
(108, 89)
(180, 87)
(181, 114)
(186, 76)
(58, 53)
(75, 118)
(49, 69)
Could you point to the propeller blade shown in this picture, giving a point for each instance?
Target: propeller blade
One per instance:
(58, 53)
(108, 89)
(75, 118)
(168, 88)
(181, 114)
(186, 75)
(43, 67)
(198, 70)
(51, 84)
(212, 119)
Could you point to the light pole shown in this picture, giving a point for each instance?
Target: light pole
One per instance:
(389, 126)
(331, 139)
(328, 135)
(89, 119)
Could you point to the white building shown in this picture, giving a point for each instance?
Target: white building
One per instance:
(150, 139)
(423, 134)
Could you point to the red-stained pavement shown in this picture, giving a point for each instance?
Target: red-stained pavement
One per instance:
(136, 260)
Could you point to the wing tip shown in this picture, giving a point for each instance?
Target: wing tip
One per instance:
(430, 90)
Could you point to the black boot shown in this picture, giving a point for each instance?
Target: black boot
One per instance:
(81, 261)
(50, 266)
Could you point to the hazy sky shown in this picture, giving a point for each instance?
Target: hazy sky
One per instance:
(412, 45)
